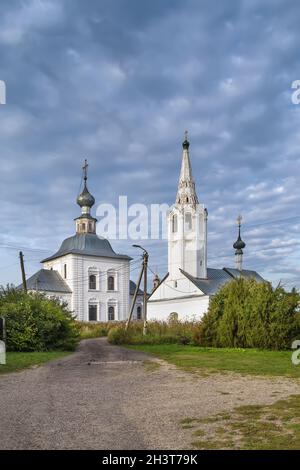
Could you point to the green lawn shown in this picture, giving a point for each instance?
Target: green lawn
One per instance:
(16, 361)
(244, 361)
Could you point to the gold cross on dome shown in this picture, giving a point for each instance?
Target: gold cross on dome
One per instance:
(239, 220)
(186, 134)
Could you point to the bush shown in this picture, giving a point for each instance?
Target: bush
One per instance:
(118, 335)
(248, 314)
(95, 330)
(171, 332)
(36, 323)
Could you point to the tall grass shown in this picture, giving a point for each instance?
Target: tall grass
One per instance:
(95, 330)
(171, 332)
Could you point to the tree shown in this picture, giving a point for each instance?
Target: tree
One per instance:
(249, 314)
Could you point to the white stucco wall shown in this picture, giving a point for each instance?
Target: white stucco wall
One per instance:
(78, 269)
(181, 297)
(187, 309)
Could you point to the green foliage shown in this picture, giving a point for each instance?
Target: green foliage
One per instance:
(248, 314)
(118, 335)
(95, 330)
(36, 323)
(171, 332)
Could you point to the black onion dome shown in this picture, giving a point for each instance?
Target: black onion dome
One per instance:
(239, 244)
(85, 199)
(185, 144)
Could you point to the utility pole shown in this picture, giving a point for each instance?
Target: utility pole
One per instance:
(137, 287)
(23, 271)
(145, 263)
(143, 272)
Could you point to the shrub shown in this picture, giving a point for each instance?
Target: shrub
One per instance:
(248, 314)
(118, 335)
(171, 332)
(95, 330)
(36, 323)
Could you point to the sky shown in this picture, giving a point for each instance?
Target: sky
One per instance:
(118, 82)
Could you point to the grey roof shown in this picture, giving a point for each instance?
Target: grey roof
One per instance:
(47, 280)
(132, 286)
(216, 278)
(244, 273)
(86, 244)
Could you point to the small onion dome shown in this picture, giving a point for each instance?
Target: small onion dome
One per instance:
(239, 244)
(85, 199)
(185, 143)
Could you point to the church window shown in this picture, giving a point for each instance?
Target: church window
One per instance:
(90, 227)
(92, 282)
(175, 284)
(110, 283)
(111, 313)
(65, 271)
(174, 223)
(83, 227)
(92, 312)
(139, 313)
(188, 221)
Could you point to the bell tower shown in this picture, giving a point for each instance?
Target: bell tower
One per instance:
(187, 226)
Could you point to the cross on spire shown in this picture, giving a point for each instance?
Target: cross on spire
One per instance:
(85, 168)
(239, 220)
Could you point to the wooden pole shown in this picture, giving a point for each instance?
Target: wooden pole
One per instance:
(134, 297)
(145, 264)
(23, 271)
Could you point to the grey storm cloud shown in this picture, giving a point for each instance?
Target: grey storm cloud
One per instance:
(118, 82)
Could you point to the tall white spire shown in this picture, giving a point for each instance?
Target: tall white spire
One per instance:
(187, 226)
(186, 193)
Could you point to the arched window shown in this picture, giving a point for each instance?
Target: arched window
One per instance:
(110, 283)
(139, 313)
(92, 282)
(188, 221)
(92, 312)
(174, 223)
(83, 227)
(111, 313)
(65, 271)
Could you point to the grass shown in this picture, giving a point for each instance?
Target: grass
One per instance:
(16, 361)
(212, 360)
(93, 330)
(254, 427)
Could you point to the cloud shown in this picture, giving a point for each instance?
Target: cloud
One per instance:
(118, 83)
(28, 16)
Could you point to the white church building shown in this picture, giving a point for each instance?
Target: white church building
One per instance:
(87, 274)
(189, 284)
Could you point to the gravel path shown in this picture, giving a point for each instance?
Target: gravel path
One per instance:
(107, 397)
